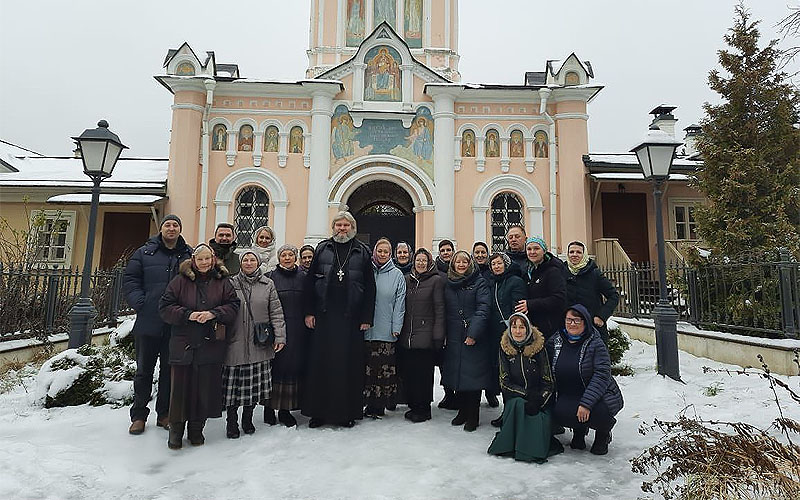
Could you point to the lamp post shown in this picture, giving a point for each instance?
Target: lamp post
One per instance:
(100, 149)
(655, 156)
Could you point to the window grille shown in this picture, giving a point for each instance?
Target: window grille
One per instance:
(252, 212)
(506, 212)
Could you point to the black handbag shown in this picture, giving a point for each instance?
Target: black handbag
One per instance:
(263, 332)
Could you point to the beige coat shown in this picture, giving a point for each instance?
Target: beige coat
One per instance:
(266, 306)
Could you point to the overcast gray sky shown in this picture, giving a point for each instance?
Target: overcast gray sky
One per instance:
(66, 64)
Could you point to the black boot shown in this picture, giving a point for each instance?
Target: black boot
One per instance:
(578, 438)
(232, 427)
(195, 432)
(286, 418)
(315, 422)
(449, 400)
(269, 416)
(175, 441)
(600, 445)
(498, 422)
(247, 419)
(492, 400)
(473, 415)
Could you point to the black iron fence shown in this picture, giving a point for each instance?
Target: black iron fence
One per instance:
(756, 298)
(35, 300)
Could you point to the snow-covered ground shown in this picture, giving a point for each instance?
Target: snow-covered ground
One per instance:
(86, 452)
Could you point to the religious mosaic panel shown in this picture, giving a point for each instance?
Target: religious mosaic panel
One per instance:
(516, 146)
(185, 69)
(296, 140)
(219, 138)
(540, 146)
(271, 139)
(355, 22)
(382, 80)
(413, 23)
(468, 144)
(385, 10)
(246, 138)
(382, 137)
(492, 144)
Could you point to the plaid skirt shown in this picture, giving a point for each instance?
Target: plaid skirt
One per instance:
(381, 381)
(246, 385)
(285, 395)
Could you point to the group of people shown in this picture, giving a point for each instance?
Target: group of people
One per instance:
(343, 332)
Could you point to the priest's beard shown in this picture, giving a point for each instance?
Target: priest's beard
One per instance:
(339, 238)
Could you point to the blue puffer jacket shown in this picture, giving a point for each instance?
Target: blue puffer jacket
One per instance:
(151, 268)
(594, 365)
(390, 303)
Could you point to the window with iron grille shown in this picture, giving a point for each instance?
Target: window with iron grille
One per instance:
(252, 212)
(506, 212)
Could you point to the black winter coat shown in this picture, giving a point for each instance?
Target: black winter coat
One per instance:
(467, 305)
(424, 321)
(507, 290)
(526, 374)
(360, 277)
(594, 365)
(519, 263)
(292, 360)
(193, 342)
(230, 259)
(151, 268)
(547, 295)
(592, 289)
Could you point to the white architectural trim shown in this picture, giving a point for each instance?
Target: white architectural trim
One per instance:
(245, 121)
(526, 133)
(571, 116)
(339, 191)
(543, 127)
(262, 127)
(218, 121)
(468, 126)
(520, 186)
(235, 181)
(193, 107)
(296, 123)
(493, 125)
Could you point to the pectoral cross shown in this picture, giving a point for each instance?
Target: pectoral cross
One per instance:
(340, 274)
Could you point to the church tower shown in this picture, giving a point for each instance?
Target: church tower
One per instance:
(429, 27)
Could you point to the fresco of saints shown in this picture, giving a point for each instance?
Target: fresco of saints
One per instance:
(246, 138)
(219, 138)
(468, 144)
(492, 144)
(413, 23)
(355, 23)
(540, 147)
(342, 136)
(517, 145)
(271, 139)
(382, 77)
(385, 11)
(421, 139)
(296, 140)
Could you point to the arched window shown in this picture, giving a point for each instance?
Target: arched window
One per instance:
(468, 144)
(506, 212)
(252, 212)
(184, 69)
(516, 146)
(572, 78)
(246, 138)
(492, 144)
(219, 138)
(540, 146)
(296, 140)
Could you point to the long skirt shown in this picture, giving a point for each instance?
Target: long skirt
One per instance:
(525, 438)
(285, 394)
(381, 375)
(196, 393)
(246, 385)
(416, 372)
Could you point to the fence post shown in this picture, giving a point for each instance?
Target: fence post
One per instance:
(50, 300)
(634, 281)
(694, 300)
(789, 307)
(116, 291)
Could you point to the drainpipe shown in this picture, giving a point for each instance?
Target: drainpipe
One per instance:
(201, 230)
(543, 95)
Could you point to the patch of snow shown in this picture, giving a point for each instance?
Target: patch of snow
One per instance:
(130, 199)
(122, 331)
(50, 382)
(611, 324)
(117, 390)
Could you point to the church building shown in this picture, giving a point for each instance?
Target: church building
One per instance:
(381, 125)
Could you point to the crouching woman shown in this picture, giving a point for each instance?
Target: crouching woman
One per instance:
(200, 304)
(527, 387)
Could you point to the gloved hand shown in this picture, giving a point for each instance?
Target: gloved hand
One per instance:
(533, 405)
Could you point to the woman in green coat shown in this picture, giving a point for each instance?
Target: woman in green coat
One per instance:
(527, 385)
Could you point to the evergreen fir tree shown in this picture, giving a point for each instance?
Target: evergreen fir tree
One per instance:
(750, 150)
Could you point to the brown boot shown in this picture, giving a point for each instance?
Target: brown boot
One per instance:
(163, 422)
(136, 428)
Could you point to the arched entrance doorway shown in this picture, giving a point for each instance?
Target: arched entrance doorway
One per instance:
(382, 208)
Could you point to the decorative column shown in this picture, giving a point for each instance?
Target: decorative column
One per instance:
(443, 158)
(530, 161)
(230, 154)
(283, 148)
(408, 86)
(321, 113)
(480, 155)
(258, 147)
(358, 84)
(505, 161)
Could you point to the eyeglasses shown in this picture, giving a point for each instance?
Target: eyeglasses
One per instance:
(575, 321)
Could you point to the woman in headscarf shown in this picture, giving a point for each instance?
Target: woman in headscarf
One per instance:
(547, 290)
(480, 253)
(422, 335)
(466, 360)
(402, 257)
(587, 395)
(587, 285)
(289, 365)
(201, 306)
(264, 247)
(247, 377)
(527, 385)
(306, 256)
(390, 307)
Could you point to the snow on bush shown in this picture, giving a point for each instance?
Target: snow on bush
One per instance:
(97, 375)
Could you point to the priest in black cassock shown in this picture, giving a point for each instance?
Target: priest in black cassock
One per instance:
(339, 305)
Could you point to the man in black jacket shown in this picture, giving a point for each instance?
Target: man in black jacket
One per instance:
(224, 245)
(147, 275)
(515, 237)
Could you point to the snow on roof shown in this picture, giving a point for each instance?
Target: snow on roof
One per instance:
(631, 176)
(148, 173)
(630, 159)
(107, 199)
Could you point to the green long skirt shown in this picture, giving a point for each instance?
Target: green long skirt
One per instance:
(524, 437)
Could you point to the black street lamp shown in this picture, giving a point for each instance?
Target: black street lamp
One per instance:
(655, 156)
(100, 149)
